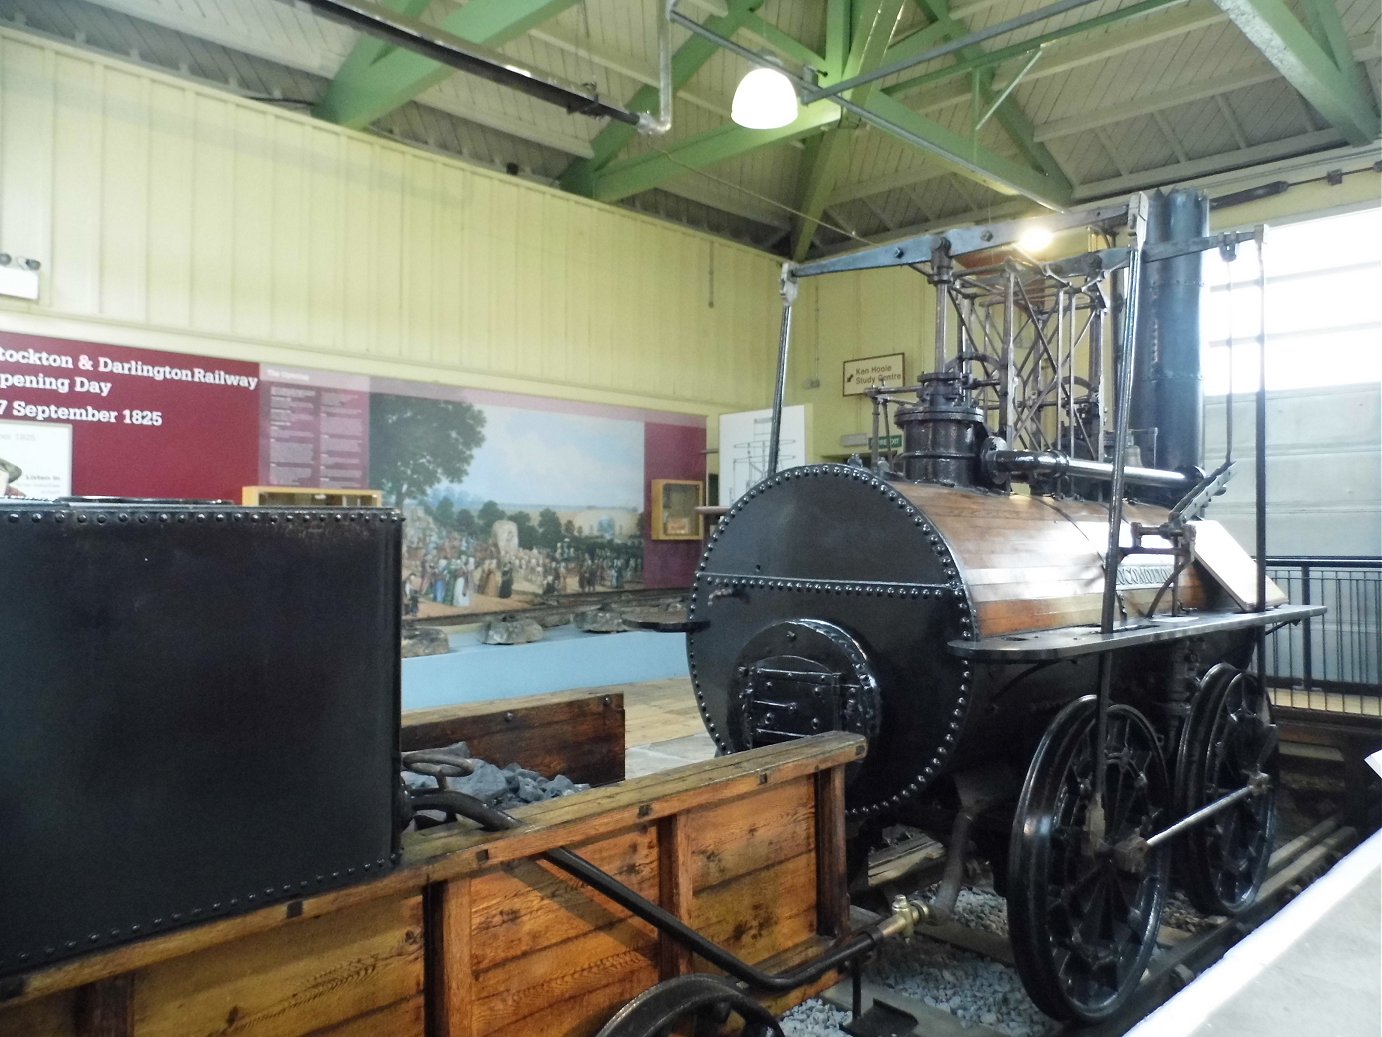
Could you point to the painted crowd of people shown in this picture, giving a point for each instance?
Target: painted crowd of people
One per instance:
(452, 569)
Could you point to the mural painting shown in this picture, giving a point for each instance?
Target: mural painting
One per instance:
(508, 504)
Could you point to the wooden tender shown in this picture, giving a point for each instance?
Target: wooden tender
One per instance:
(473, 936)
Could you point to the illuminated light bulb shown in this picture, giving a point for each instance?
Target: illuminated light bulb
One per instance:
(1034, 239)
(764, 100)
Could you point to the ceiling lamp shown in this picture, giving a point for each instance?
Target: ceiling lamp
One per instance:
(1035, 240)
(764, 100)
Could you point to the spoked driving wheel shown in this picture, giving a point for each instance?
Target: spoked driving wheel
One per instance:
(692, 1006)
(1229, 742)
(1084, 906)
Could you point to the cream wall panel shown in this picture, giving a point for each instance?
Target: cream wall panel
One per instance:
(175, 217)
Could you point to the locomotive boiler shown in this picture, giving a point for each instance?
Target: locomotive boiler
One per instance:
(1057, 676)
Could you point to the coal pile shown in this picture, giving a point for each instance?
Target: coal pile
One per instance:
(501, 787)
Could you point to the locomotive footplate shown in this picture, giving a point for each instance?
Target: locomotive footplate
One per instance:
(1069, 642)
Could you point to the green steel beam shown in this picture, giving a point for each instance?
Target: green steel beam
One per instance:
(705, 149)
(871, 30)
(400, 75)
(999, 55)
(581, 175)
(923, 40)
(838, 23)
(369, 49)
(825, 158)
(782, 43)
(1336, 94)
(965, 156)
(1328, 30)
(1009, 115)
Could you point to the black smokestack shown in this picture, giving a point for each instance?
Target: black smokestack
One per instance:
(1168, 394)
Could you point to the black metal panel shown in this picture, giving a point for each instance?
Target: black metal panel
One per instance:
(836, 545)
(199, 710)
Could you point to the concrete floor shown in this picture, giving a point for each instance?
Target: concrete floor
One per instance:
(1313, 970)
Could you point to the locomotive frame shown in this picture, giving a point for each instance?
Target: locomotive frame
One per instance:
(1107, 718)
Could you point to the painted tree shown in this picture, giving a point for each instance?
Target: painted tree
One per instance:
(416, 443)
(549, 529)
(490, 513)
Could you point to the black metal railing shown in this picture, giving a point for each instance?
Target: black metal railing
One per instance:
(1341, 650)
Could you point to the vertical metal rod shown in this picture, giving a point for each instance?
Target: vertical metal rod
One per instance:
(1008, 377)
(1261, 433)
(940, 273)
(1127, 348)
(789, 296)
(1307, 628)
(1228, 397)
(1128, 355)
(1096, 375)
(876, 446)
(1261, 430)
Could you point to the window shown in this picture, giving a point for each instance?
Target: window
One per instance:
(1323, 309)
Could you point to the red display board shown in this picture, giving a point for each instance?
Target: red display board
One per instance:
(144, 423)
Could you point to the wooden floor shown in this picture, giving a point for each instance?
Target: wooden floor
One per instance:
(1329, 701)
(662, 727)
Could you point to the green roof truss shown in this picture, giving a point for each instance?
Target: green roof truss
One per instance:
(362, 93)
(1316, 61)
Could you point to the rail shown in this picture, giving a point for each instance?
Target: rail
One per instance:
(1340, 651)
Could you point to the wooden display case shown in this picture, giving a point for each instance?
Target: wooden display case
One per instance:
(674, 509)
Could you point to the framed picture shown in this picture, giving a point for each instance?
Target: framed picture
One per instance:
(873, 372)
(674, 509)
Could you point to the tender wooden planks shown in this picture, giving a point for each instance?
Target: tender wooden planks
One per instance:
(529, 905)
(600, 812)
(513, 947)
(731, 839)
(405, 1018)
(598, 964)
(445, 854)
(50, 1017)
(832, 873)
(291, 981)
(106, 1009)
(763, 912)
(579, 734)
(676, 888)
(450, 981)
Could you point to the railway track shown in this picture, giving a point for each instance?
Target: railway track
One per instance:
(1319, 750)
(1182, 953)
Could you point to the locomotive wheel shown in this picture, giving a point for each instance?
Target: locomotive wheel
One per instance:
(1228, 739)
(1083, 918)
(692, 1006)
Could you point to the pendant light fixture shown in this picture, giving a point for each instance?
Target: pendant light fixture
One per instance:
(764, 100)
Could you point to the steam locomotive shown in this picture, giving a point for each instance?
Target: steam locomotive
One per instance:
(1056, 680)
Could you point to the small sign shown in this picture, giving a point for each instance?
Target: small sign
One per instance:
(863, 439)
(873, 372)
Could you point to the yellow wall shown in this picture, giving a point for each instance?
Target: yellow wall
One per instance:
(841, 317)
(173, 216)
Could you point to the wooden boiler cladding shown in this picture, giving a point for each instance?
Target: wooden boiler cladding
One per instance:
(827, 598)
